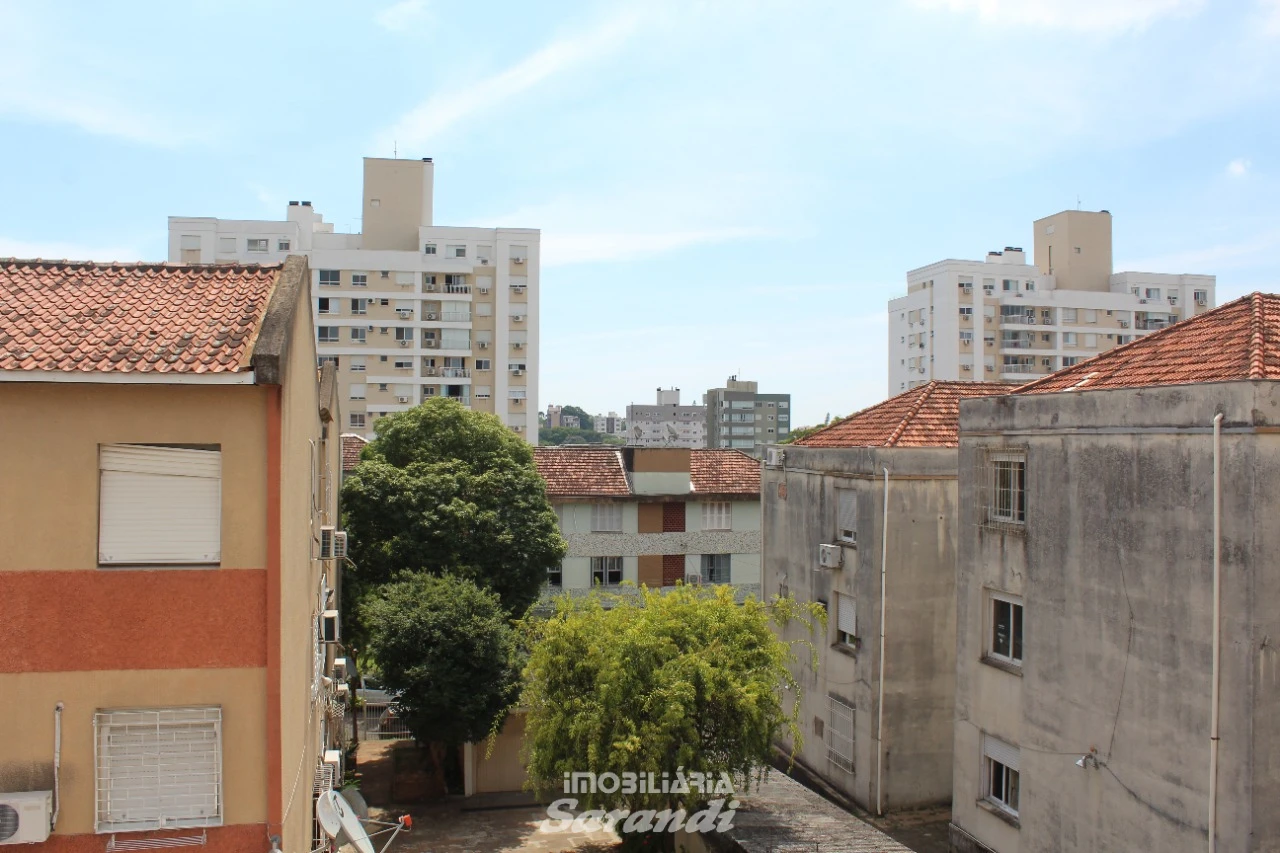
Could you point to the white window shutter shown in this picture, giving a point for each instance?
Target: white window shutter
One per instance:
(1000, 751)
(159, 505)
(847, 507)
(847, 614)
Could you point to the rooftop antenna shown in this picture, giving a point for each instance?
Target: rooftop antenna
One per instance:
(395, 149)
(1077, 201)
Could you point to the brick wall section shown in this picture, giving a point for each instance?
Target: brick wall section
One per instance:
(672, 569)
(673, 518)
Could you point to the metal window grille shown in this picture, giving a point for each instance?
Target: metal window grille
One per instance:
(839, 731)
(1003, 476)
(379, 721)
(158, 768)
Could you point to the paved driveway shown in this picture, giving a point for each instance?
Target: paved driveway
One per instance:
(447, 829)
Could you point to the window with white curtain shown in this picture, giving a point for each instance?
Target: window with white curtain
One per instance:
(606, 518)
(717, 515)
(159, 504)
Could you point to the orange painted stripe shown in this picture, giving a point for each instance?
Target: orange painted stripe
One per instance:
(238, 838)
(105, 619)
(275, 778)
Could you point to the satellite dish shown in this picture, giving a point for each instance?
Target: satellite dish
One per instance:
(341, 823)
(357, 803)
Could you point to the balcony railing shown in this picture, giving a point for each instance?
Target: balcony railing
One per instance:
(456, 316)
(457, 288)
(1012, 344)
(455, 372)
(1151, 325)
(1018, 319)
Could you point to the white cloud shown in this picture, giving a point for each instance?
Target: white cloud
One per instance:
(1088, 16)
(442, 111)
(66, 251)
(1239, 167)
(402, 16)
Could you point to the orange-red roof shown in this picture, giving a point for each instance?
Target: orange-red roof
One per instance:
(1238, 340)
(352, 444)
(130, 318)
(724, 472)
(925, 416)
(582, 471)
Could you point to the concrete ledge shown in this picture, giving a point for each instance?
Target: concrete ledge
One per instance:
(963, 842)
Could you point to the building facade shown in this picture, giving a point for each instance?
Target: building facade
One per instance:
(610, 424)
(740, 417)
(827, 539)
(653, 516)
(1003, 319)
(667, 423)
(406, 310)
(169, 466)
(1118, 599)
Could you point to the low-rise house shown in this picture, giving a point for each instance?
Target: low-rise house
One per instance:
(168, 481)
(352, 446)
(653, 516)
(1119, 603)
(877, 710)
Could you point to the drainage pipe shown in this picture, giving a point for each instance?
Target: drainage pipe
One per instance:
(1217, 632)
(884, 561)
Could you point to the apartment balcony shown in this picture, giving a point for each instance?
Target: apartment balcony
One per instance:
(1017, 319)
(456, 316)
(1150, 325)
(457, 288)
(1017, 345)
(455, 372)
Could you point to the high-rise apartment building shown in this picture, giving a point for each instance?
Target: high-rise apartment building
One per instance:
(406, 310)
(1003, 319)
(740, 417)
(667, 423)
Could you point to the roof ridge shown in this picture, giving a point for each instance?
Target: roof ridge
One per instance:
(929, 388)
(1257, 337)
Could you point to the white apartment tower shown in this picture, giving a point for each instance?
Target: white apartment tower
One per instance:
(1005, 320)
(406, 309)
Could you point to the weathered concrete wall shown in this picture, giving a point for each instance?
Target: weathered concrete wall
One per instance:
(1115, 569)
(799, 515)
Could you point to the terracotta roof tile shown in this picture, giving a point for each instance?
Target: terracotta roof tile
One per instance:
(352, 444)
(1238, 340)
(572, 471)
(926, 416)
(724, 472)
(130, 318)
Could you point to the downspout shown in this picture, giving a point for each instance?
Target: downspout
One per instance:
(57, 765)
(1217, 632)
(884, 562)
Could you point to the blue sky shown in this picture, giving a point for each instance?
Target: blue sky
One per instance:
(723, 187)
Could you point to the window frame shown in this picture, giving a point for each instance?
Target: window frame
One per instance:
(257, 245)
(555, 576)
(335, 277)
(717, 515)
(1013, 510)
(359, 279)
(1017, 625)
(710, 566)
(605, 513)
(351, 420)
(1009, 777)
(843, 494)
(362, 337)
(603, 571)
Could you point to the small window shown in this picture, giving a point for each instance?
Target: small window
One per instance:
(966, 310)
(1006, 628)
(356, 419)
(359, 279)
(717, 515)
(847, 520)
(359, 306)
(330, 278)
(358, 334)
(226, 245)
(839, 731)
(159, 505)
(357, 391)
(606, 571)
(324, 305)
(846, 619)
(1000, 779)
(606, 518)
(1006, 488)
(484, 364)
(327, 334)
(484, 309)
(715, 568)
(256, 244)
(555, 575)
(429, 249)
(283, 244)
(327, 359)
(455, 251)
(403, 365)
(158, 769)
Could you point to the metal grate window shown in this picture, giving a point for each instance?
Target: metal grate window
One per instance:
(1003, 476)
(839, 731)
(158, 768)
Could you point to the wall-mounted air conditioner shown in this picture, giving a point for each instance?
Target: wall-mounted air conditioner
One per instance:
(483, 344)
(692, 580)
(518, 259)
(517, 344)
(431, 315)
(340, 669)
(405, 343)
(518, 318)
(24, 817)
(517, 372)
(333, 543)
(483, 290)
(830, 556)
(431, 288)
(484, 262)
(774, 457)
(517, 288)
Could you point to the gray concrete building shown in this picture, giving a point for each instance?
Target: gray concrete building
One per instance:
(666, 423)
(740, 417)
(1117, 662)
(876, 715)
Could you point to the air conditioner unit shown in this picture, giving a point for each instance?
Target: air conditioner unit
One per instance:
(693, 580)
(431, 343)
(1124, 324)
(402, 399)
(830, 556)
(1202, 300)
(966, 367)
(518, 288)
(517, 344)
(431, 315)
(519, 259)
(340, 669)
(328, 540)
(483, 344)
(329, 626)
(24, 817)
(483, 290)
(431, 288)
(774, 457)
(405, 343)
(516, 401)
(518, 318)
(484, 262)
(340, 544)
(343, 690)
(517, 372)
(1143, 301)
(404, 313)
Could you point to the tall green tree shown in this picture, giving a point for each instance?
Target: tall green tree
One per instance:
(447, 652)
(657, 683)
(443, 491)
